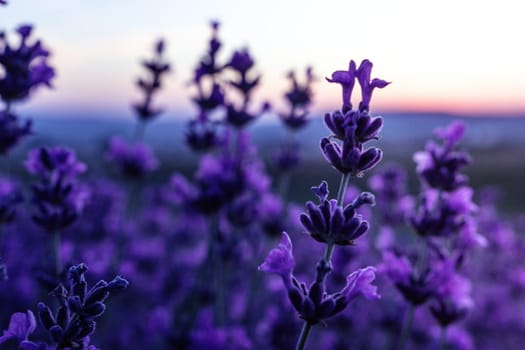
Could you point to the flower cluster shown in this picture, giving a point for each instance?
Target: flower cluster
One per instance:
(58, 198)
(133, 160)
(353, 127)
(25, 67)
(156, 69)
(330, 222)
(74, 321)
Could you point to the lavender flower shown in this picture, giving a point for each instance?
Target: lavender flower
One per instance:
(299, 97)
(20, 327)
(79, 308)
(25, 67)
(313, 303)
(10, 197)
(133, 160)
(353, 128)
(59, 200)
(329, 222)
(156, 69)
(11, 131)
(439, 165)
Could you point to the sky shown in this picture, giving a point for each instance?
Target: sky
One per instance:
(451, 56)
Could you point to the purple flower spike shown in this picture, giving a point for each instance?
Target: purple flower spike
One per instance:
(20, 327)
(359, 283)
(3, 2)
(347, 81)
(241, 61)
(367, 87)
(133, 160)
(451, 134)
(11, 131)
(25, 67)
(51, 162)
(280, 260)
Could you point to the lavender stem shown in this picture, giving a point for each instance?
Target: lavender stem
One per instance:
(407, 327)
(303, 337)
(443, 345)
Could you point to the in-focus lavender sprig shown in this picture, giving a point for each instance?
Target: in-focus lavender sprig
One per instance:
(330, 222)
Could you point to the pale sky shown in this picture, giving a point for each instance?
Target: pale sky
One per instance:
(458, 56)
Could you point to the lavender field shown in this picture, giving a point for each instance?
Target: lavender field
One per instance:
(249, 225)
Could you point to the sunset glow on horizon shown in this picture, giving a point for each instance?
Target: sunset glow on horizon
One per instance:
(452, 57)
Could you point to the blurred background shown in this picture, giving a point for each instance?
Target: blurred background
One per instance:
(446, 60)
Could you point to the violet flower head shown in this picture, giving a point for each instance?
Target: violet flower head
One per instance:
(288, 157)
(367, 86)
(79, 308)
(415, 287)
(208, 64)
(58, 198)
(10, 197)
(53, 163)
(20, 327)
(241, 61)
(25, 67)
(452, 298)
(238, 118)
(299, 98)
(133, 160)
(11, 131)
(329, 222)
(440, 164)
(314, 304)
(351, 158)
(156, 68)
(347, 81)
(202, 134)
(280, 260)
(3, 2)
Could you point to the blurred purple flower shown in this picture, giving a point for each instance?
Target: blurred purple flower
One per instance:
(156, 68)
(133, 160)
(58, 198)
(10, 196)
(11, 131)
(20, 327)
(53, 163)
(25, 68)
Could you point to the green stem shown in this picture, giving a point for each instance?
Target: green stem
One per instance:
(56, 251)
(407, 327)
(443, 341)
(303, 337)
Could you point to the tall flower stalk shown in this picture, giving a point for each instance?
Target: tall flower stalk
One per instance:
(330, 222)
